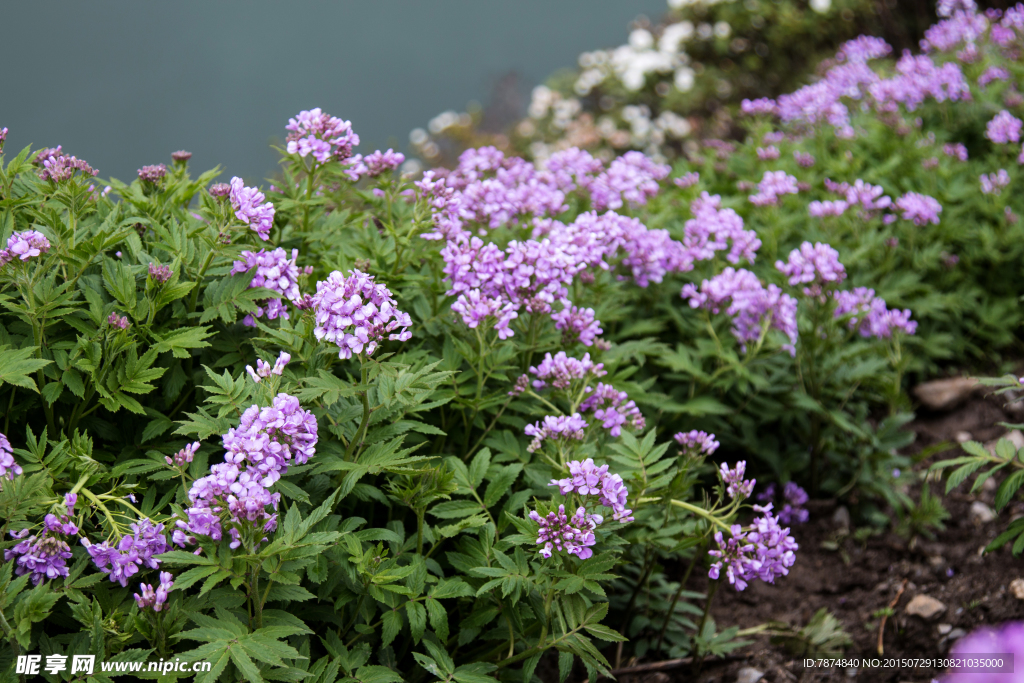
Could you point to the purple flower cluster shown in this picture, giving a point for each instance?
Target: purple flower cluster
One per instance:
(183, 457)
(1004, 128)
(155, 599)
(713, 229)
(816, 265)
(275, 271)
(749, 303)
(314, 132)
(220, 190)
(794, 498)
(1005, 639)
(560, 370)
(251, 208)
(181, 156)
(687, 180)
(3, 136)
(115, 320)
(59, 167)
(763, 552)
(122, 561)
(955, 149)
(159, 274)
(773, 185)
(24, 245)
(577, 324)
(152, 174)
(558, 532)
(268, 439)
(803, 158)
(769, 153)
(869, 315)
(736, 485)
(356, 313)
(43, 556)
(827, 208)
(612, 408)
(8, 467)
(697, 442)
(993, 183)
(563, 427)
(382, 162)
(993, 73)
(919, 208)
(870, 198)
(264, 369)
(631, 179)
(587, 479)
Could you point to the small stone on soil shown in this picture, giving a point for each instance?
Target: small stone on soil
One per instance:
(963, 437)
(943, 394)
(981, 513)
(944, 628)
(956, 633)
(841, 517)
(925, 607)
(749, 674)
(1017, 588)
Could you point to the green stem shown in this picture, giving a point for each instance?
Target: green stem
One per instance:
(700, 512)
(10, 407)
(352, 451)
(420, 512)
(194, 299)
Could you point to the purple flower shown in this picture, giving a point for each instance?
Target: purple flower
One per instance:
(748, 303)
(804, 159)
(827, 208)
(264, 369)
(612, 408)
(919, 208)
(793, 508)
(357, 314)
(697, 442)
(587, 479)
(181, 156)
(687, 180)
(184, 456)
(553, 428)
(630, 179)
(152, 174)
(220, 190)
(995, 182)
(314, 132)
(3, 137)
(955, 150)
(24, 245)
(763, 552)
(762, 107)
(946, 8)
(159, 274)
(769, 153)
(713, 229)
(993, 73)
(275, 271)
(1003, 128)
(773, 185)
(381, 162)
(559, 533)
(122, 561)
(736, 486)
(8, 467)
(43, 556)
(577, 324)
(560, 370)
(1006, 639)
(818, 264)
(869, 316)
(155, 599)
(59, 168)
(249, 206)
(268, 439)
(115, 320)
(863, 49)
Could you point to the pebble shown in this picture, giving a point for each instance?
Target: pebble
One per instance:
(990, 485)
(963, 437)
(925, 607)
(841, 517)
(944, 629)
(1016, 438)
(943, 394)
(749, 674)
(1017, 588)
(981, 513)
(956, 633)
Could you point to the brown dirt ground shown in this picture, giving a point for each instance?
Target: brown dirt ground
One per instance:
(862, 577)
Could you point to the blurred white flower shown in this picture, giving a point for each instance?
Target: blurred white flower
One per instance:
(641, 39)
(722, 29)
(821, 6)
(684, 79)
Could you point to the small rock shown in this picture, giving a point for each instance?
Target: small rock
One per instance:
(841, 517)
(981, 513)
(1016, 438)
(936, 560)
(749, 674)
(990, 485)
(963, 437)
(925, 607)
(956, 633)
(1017, 588)
(944, 628)
(943, 394)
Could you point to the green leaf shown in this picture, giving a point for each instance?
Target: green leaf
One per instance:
(18, 365)
(180, 341)
(417, 615)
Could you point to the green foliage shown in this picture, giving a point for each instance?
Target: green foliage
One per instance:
(823, 636)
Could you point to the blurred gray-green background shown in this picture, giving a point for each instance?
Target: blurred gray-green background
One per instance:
(125, 84)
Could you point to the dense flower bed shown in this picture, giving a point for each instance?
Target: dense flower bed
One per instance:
(370, 425)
